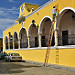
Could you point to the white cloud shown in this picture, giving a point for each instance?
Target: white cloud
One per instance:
(9, 13)
(5, 23)
(7, 17)
(11, 0)
(7, 10)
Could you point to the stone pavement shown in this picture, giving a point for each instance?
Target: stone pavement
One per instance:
(25, 68)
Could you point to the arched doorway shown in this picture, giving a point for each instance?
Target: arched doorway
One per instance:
(66, 33)
(10, 41)
(6, 43)
(33, 33)
(23, 38)
(44, 30)
(15, 40)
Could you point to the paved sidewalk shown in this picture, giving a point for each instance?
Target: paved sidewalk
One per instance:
(55, 66)
(25, 68)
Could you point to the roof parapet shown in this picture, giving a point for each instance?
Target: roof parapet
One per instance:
(38, 9)
(41, 7)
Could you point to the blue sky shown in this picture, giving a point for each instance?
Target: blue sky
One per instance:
(9, 11)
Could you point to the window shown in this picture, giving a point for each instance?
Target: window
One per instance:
(15, 54)
(65, 37)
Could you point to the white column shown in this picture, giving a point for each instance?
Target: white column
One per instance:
(5, 45)
(13, 45)
(8, 44)
(19, 43)
(56, 31)
(40, 40)
(28, 41)
(56, 37)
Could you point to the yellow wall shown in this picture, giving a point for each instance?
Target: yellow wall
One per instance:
(64, 56)
(1, 43)
(27, 9)
(38, 16)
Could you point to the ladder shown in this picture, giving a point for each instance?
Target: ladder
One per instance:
(49, 43)
(50, 37)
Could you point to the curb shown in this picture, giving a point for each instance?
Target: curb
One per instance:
(55, 66)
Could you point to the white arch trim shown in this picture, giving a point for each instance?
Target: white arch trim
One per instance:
(5, 38)
(20, 30)
(66, 9)
(5, 41)
(29, 28)
(39, 31)
(14, 34)
(8, 36)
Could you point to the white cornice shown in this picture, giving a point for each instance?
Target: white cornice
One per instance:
(41, 7)
(44, 48)
(10, 26)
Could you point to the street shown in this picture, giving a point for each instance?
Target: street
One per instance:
(23, 68)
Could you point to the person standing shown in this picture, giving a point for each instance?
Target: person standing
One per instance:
(53, 12)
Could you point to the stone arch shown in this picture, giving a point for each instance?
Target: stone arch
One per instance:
(33, 34)
(61, 13)
(15, 40)
(29, 30)
(44, 30)
(23, 38)
(6, 42)
(42, 22)
(10, 41)
(66, 26)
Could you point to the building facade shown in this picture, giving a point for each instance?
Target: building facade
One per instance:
(29, 35)
(1, 45)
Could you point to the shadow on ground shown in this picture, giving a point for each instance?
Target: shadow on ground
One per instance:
(13, 67)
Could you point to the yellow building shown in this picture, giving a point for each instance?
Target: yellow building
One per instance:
(1, 44)
(29, 35)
